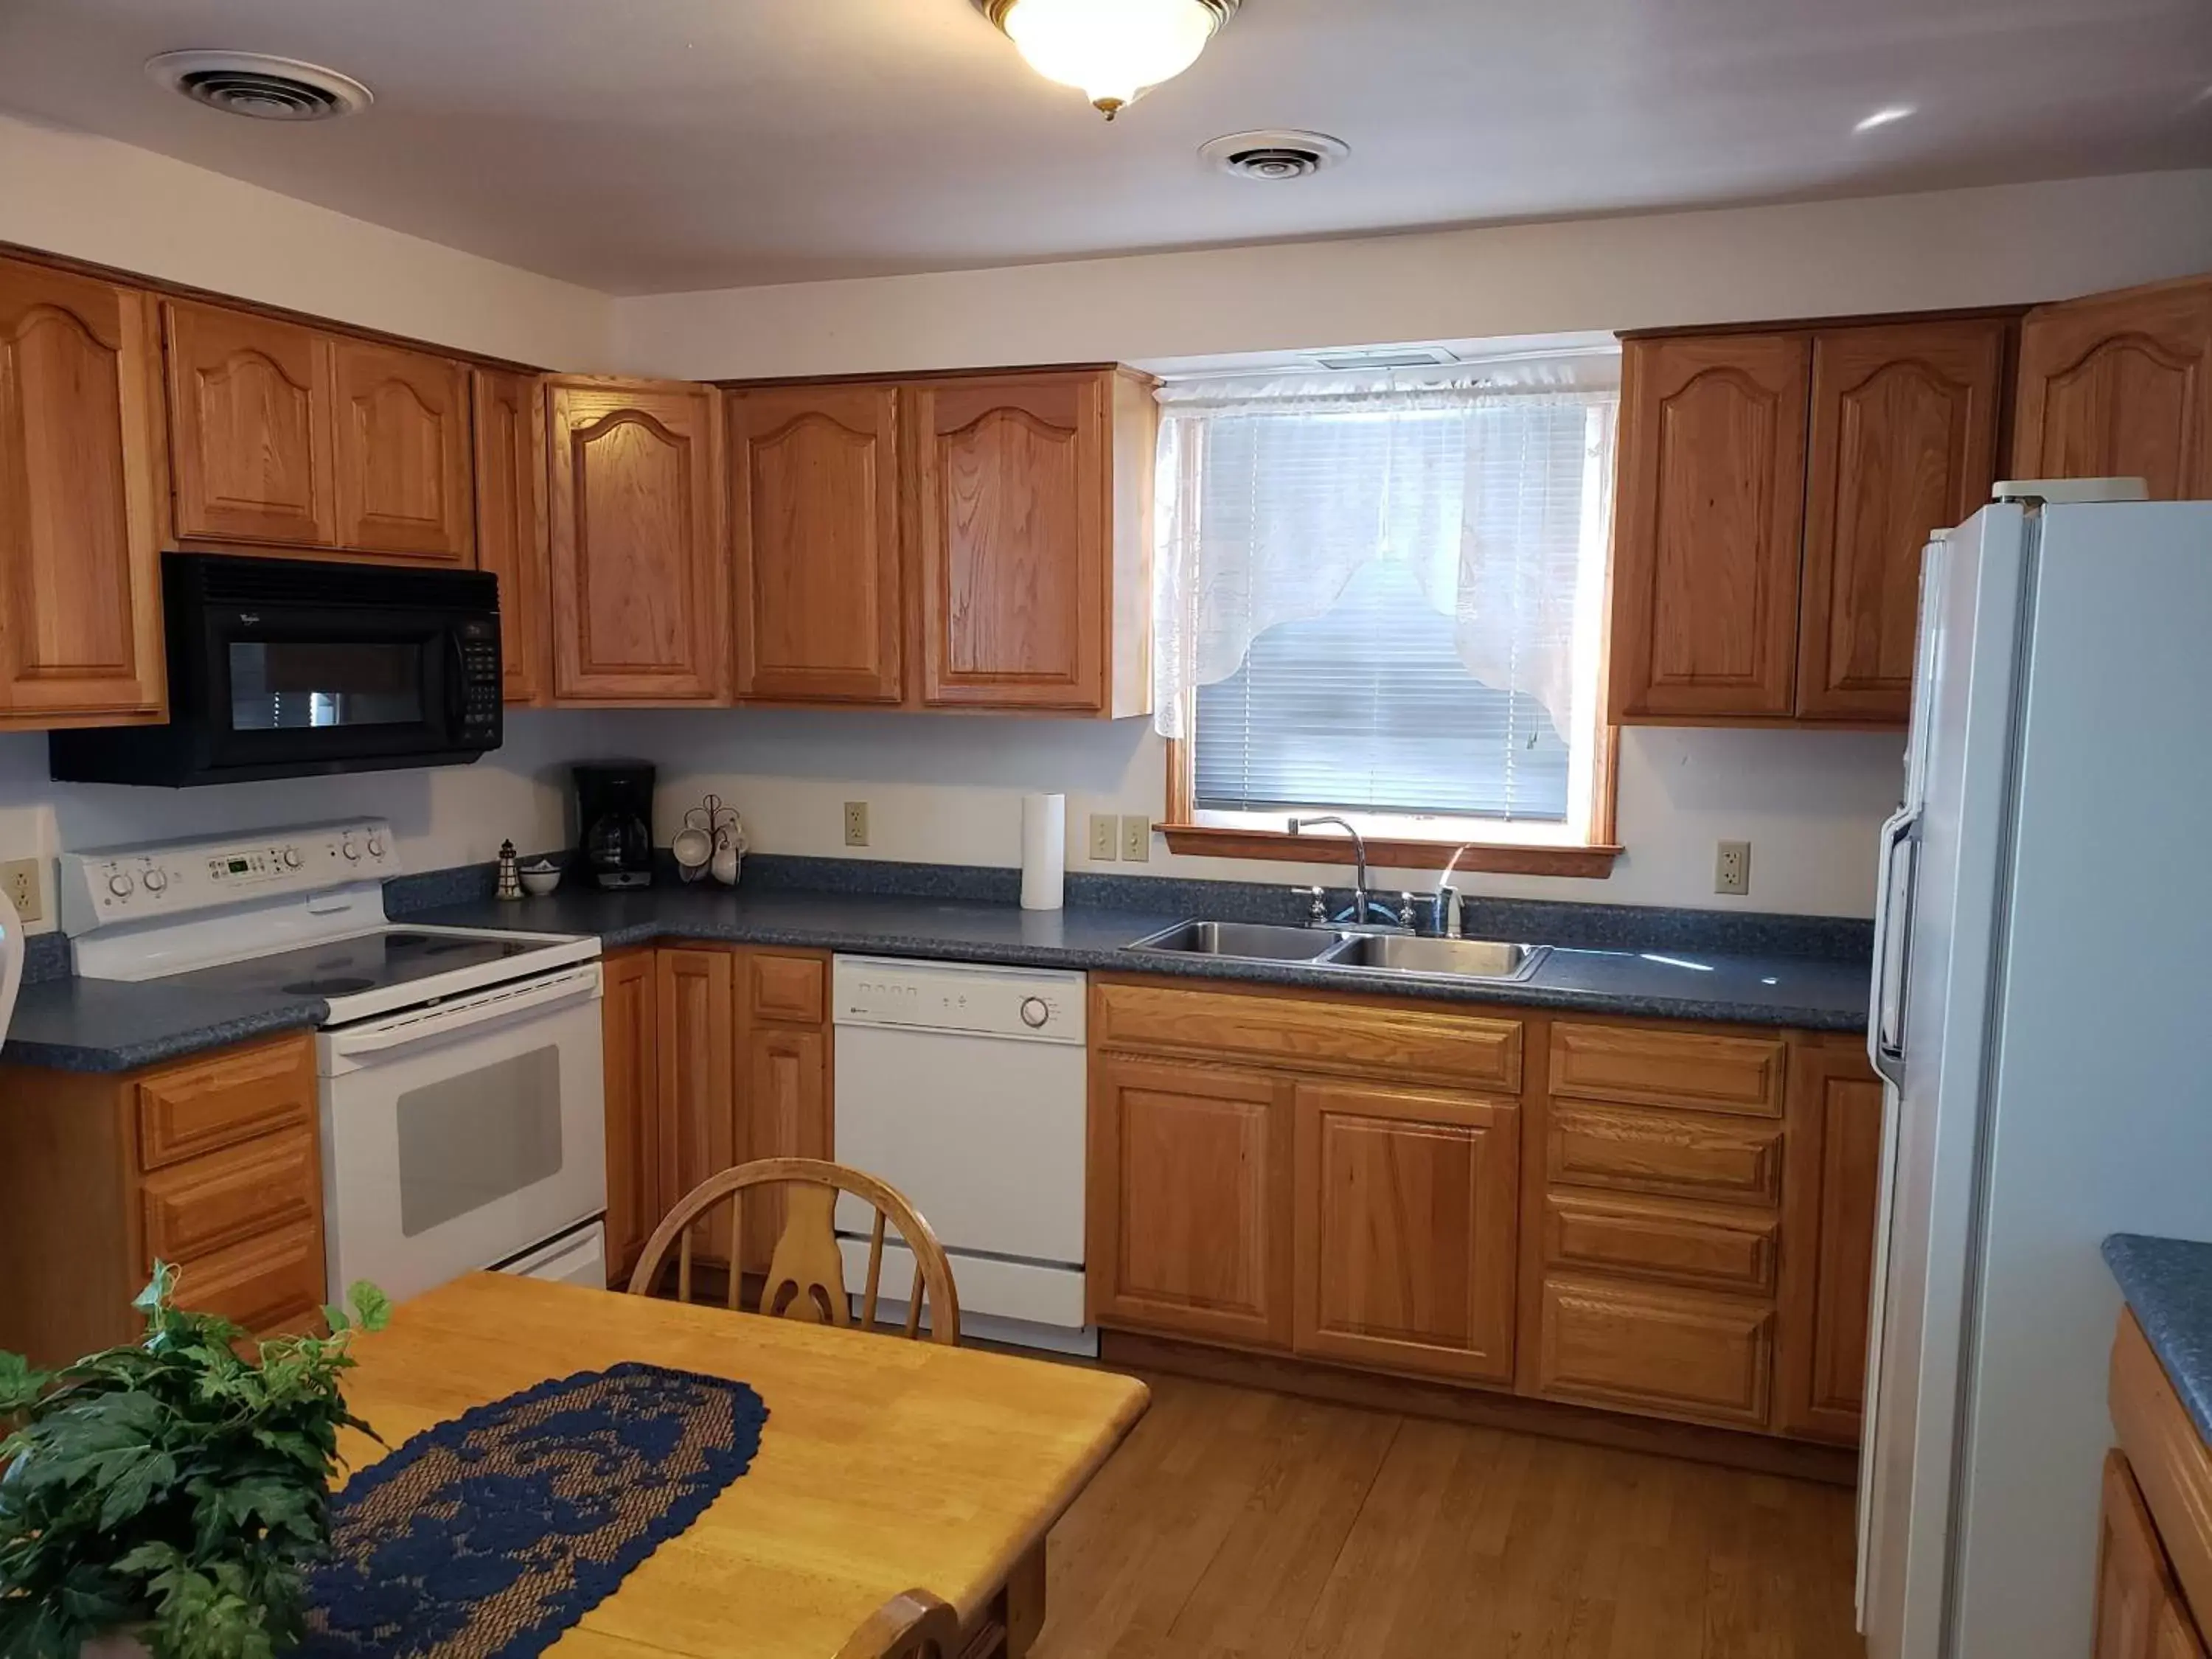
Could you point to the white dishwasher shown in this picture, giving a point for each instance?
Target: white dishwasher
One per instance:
(964, 1087)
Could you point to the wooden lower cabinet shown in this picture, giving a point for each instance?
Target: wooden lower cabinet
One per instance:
(1406, 1217)
(631, 1020)
(1833, 1191)
(2140, 1612)
(212, 1164)
(1678, 1354)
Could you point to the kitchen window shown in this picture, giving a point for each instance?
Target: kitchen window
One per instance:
(1385, 601)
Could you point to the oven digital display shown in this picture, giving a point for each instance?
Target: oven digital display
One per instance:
(237, 866)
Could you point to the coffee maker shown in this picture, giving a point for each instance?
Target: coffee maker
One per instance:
(614, 822)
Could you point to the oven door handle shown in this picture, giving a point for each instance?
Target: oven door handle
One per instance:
(473, 1016)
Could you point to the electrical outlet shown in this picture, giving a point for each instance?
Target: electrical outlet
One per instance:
(1732, 868)
(20, 881)
(856, 824)
(1137, 837)
(1105, 838)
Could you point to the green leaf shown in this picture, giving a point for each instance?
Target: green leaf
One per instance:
(21, 1383)
(154, 1299)
(132, 1482)
(372, 1308)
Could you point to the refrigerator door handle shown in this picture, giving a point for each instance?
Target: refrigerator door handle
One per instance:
(1886, 1017)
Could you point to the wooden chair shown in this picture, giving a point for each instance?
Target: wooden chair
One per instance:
(806, 1275)
(912, 1625)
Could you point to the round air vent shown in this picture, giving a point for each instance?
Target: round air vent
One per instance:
(253, 84)
(1276, 155)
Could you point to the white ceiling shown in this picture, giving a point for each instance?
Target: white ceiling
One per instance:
(662, 145)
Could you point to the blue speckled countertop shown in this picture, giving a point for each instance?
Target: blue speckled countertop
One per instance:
(2169, 1283)
(89, 1025)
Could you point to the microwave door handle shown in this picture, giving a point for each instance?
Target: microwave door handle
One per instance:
(1885, 1038)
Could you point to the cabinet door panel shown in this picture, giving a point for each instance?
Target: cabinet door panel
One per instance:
(637, 561)
(1675, 1353)
(194, 1210)
(250, 401)
(1832, 1188)
(404, 476)
(629, 1016)
(1712, 486)
(785, 1113)
(510, 485)
(2141, 1613)
(2120, 385)
(1405, 1237)
(1190, 1200)
(814, 480)
(80, 482)
(696, 992)
(1012, 509)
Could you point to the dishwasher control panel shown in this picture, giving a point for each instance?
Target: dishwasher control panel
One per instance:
(975, 999)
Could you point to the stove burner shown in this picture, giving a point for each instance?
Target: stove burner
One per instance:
(337, 985)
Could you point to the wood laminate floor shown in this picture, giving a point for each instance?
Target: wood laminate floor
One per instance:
(1236, 1524)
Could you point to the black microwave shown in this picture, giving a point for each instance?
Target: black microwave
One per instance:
(291, 668)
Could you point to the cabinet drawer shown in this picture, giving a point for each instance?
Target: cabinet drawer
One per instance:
(268, 1284)
(209, 1203)
(1659, 1238)
(195, 1108)
(1673, 1154)
(1704, 1069)
(794, 989)
(1674, 1352)
(1311, 1035)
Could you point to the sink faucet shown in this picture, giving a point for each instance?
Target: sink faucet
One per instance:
(1299, 826)
(1447, 923)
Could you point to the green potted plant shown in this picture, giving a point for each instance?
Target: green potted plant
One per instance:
(171, 1493)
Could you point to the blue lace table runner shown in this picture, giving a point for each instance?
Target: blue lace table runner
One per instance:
(487, 1537)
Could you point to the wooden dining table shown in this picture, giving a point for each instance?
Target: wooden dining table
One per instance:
(886, 1465)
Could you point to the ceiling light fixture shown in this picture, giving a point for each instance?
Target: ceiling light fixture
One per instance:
(1886, 118)
(1114, 50)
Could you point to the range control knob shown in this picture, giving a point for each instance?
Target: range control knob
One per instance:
(1035, 1013)
(351, 852)
(376, 847)
(119, 885)
(291, 858)
(157, 880)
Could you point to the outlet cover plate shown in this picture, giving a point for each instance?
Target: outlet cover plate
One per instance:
(1732, 868)
(856, 824)
(18, 879)
(1105, 837)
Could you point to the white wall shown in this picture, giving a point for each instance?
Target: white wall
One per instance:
(92, 198)
(2012, 244)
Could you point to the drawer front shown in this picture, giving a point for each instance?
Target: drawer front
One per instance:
(1671, 1154)
(792, 989)
(1673, 1353)
(1311, 1034)
(1702, 1070)
(243, 1192)
(197, 1107)
(267, 1285)
(1660, 1238)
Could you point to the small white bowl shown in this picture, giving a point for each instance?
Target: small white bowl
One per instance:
(540, 880)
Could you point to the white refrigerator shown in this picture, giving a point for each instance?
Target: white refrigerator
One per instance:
(2042, 1019)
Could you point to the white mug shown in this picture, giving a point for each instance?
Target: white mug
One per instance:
(725, 860)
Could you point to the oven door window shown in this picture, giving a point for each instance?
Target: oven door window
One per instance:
(471, 1140)
(280, 685)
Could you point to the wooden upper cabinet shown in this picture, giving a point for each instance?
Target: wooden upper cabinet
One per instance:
(510, 534)
(2120, 385)
(814, 516)
(1406, 1216)
(1832, 1193)
(403, 444)
(638, 565)
(1706, 554)
(1904, 420)
(81, 481)
(1031, 498)
(250, 442)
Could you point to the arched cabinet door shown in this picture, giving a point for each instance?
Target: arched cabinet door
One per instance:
(250, 428)
(403, 474)
(510, 506)
(1710, 521)
(2120, 385)
(814, 511)
(80, 482)
(638, 570)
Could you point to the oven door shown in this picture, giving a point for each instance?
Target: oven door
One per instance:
(458, 1136)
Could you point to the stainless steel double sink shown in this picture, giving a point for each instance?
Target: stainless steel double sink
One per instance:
(1337, 947)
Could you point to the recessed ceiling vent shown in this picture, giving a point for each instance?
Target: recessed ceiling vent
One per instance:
(1277, 156)
(253, 84)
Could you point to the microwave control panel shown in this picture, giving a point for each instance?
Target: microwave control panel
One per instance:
(109, 886)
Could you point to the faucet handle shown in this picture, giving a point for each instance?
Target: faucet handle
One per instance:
(1405, 911)
(1317, 906)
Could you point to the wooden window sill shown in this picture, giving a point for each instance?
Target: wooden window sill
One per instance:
(1208, 840)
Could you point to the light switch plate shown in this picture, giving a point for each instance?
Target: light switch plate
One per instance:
(856, 824)
(1732, 868)
(18, 879)
(1137, 838)
(1105, 837)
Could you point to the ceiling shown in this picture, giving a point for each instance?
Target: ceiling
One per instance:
(676, 144)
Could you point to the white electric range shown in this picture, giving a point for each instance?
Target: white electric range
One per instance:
(461, 1092)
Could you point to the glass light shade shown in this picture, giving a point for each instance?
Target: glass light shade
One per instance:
(1112, 49)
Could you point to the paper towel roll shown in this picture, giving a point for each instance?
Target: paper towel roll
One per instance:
(1044, 851)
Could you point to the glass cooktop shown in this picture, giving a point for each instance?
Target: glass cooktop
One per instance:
(372, 962)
